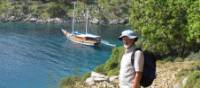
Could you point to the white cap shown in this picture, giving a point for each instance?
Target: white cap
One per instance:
(129, 33)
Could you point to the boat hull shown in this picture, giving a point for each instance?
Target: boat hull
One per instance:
(77, 38)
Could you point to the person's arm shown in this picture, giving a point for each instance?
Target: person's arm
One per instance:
(136, 80)
(138, 64)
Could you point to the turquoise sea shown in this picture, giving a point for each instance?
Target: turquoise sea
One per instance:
(39, 55)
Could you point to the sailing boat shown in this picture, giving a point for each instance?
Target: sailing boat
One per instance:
(82, 38)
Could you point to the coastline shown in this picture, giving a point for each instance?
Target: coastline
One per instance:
(32, 19)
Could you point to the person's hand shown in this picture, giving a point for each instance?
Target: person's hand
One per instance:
(136, 85)
(136, 80)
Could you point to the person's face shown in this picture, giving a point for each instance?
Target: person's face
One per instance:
(127, 42)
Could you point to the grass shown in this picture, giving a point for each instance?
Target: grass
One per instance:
(192, 73)
(71, 82)
(193, 80)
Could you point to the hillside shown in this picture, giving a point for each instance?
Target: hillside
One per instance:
(43, 11)
(169, 75)
(171, 72)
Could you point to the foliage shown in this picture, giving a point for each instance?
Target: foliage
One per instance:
(56, 10)
(168, 27)
(192, 74)
(99, 9)
(113, 9)
(85, 76)
(5, 6)
(193, 22)
(100, 69)
(193, 80)
(113, 71)
(74, 81)
(111, 67)
(69, 82)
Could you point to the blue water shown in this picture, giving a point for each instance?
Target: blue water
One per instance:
(39, 55)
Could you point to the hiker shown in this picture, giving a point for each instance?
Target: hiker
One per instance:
(130, 74)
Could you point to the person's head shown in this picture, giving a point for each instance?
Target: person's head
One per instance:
(128, 37)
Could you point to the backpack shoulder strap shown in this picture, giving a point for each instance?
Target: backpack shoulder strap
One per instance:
(133, 54)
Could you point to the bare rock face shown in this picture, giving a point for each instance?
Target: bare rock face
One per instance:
(33, 19)
(97, 80)
(114, 21)
(99, 77)
(94, 21)
(58, 20)
(90, 81)
(114, 79)
(184, 81)
(11, 18)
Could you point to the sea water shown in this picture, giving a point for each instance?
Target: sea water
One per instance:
(39, 55)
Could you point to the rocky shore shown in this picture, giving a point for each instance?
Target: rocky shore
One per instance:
(32, 19)
(97, 80)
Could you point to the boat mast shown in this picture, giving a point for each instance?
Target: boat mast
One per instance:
(73, 20)
(86, 22)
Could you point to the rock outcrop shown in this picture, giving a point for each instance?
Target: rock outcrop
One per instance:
(32, 19)
(97, 80)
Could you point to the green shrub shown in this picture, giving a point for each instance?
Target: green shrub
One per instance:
(193, 80)
(162, 22)
(69, 82)
(192, 73)
(114, 71)
(85, 76)
(56, 10)
(111, 66)
(115, 59)
(100, 69)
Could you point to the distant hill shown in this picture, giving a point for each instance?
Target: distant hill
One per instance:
(101, 11)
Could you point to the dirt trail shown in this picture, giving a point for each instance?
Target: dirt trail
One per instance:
(166, 73)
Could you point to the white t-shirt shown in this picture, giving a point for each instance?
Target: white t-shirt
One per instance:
(127, 71)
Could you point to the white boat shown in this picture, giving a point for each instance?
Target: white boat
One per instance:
(82, 38)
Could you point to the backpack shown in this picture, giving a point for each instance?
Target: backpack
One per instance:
(149, 68)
